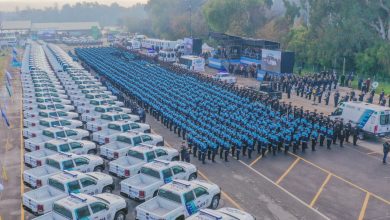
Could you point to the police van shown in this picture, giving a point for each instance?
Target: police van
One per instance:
(371, 119)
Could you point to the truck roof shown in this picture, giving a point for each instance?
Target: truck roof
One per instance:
(159, 164)
(62, 156)
(76, 201)
(67, 176)
(367, 106)
(179, 186)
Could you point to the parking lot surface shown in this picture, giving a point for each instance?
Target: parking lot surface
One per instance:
(342, 183)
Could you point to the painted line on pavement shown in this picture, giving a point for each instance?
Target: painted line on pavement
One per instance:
(342, 179)
(286, 191)
(225, 195)
(287, 171)
(257, 159)
(364, 207)
(314, 200)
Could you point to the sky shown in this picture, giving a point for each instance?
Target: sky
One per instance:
(10, 5)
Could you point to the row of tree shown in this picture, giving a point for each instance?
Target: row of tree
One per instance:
(323, 33)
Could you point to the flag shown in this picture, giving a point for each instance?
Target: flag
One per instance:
(9, 89)
(5, 118)
(9, 75)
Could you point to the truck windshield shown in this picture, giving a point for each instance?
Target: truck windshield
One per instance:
(44, 123)
(150, 172)
(56, 184)
(62, 211)
(99, 109)
(169, 196)
(124, 139)
(135, 154)
(385, 119)
(48, 134)
(53, 163)
(114, 127)
(106, 117)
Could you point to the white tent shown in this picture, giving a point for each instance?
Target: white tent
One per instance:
(207, 48)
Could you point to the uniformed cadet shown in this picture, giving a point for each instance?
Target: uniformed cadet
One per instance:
(304, 140)
(296, 143)
(314, 137)
(329, 137)
(322, 135)
(355, 134)
(287, 142)
(342, 137)
(348, 128)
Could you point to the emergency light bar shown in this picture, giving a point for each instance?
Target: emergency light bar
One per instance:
(75, 196)
(180, 182)
(210, 214)
(161, 161)
(69, 173)
(65, 154)
(147, 145)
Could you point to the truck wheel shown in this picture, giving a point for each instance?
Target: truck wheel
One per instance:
(93, 151)
(107, 189)
(214, 202)
(192, 177)
(120, 216)
(155, 194)
(180, 218)
(98, 169)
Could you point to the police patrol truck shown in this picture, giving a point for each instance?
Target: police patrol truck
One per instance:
(371, 119)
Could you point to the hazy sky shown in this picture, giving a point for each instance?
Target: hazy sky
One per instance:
(10, 5)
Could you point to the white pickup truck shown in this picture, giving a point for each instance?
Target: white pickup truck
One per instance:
(51, 122)
(71, 146)
(80, 94)
(46, 100)
(32, 95)
(35, 90)
(36, 158)
(108, 117)
(45, 106)
(125, 141)
(37, 140)
(179, 200)
(95, 113)
(87, 97)
(50, 113)
(95, 102)
(61, 185)
(153, 175)
(37, 177)
(36, 130)
(113, 129)
(105, 206)
(42, 86)
(225, 213)
(131, 164)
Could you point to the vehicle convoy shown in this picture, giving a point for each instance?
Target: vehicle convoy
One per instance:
(38, 125)
(131, 164)
(48, 105)
(153, 175)
(51, 122)
(46, 100)
(125, 141)
(179, 200)
(36, 158)
(225, 77)
(49, 114)
(95, 113)
(108, 117)
(95, 102)
(40, 201)
(81, 206)
(32, 95)
(225, 213)
(371, 119)
(115, 128)
(38, 140)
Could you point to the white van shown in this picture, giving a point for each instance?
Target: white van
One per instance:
(371, 119)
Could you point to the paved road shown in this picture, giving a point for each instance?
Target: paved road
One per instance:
(10, 146)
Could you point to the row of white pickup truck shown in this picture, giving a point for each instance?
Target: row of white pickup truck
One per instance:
(79, 137)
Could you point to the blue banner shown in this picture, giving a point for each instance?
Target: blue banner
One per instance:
(5, 118)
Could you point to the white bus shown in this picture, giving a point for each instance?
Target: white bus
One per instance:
(158, 44)
(193, 63)
(371, 119)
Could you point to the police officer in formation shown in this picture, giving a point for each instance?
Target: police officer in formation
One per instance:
(215, 117)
